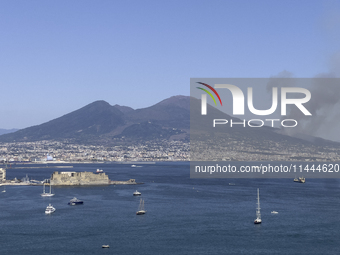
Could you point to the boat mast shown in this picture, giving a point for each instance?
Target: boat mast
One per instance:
(141, 205)
(258, 214)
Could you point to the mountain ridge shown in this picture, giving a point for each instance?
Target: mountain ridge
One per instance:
(100, 119)
(102, 123)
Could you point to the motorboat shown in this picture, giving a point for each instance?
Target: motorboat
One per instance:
(75, 201)
(49, 209)
(137, 193)
(302, 179)
(99, 170)
(274, 212)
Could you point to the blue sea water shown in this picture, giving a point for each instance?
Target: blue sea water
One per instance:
(184, 216)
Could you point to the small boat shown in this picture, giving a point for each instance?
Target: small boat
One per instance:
(302, 179)
(99, 170)
(4, 189)
(49, 209)
(105, 246)
(296, 179)
(136, 193)
(141, 208)
(274, 212)
(258, 214)
(44, 194)
(75, 201)
(133, 166)
(231, 184)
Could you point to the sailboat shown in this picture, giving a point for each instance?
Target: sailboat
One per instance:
(258, 213)
(141, 208)
(44, 194)
(4, 189)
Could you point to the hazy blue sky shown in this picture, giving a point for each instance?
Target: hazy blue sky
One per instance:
(58, 56)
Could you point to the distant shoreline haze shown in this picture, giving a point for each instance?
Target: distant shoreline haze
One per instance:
(7, 131)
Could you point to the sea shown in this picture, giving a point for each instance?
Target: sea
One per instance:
(184, 216)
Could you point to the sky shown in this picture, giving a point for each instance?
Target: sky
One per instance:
(58, 56)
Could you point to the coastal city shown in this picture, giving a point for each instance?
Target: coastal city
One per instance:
(66, 151)
(165, 150)
(250, 150)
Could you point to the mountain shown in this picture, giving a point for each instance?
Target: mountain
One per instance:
(104, 124)
(94, 119)
(172, 112)
(100, 122)
(148, 131)
(123, 109)
(7, 131)
(168, 119)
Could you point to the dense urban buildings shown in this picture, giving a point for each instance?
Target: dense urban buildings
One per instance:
(70, 152)
(67, 151)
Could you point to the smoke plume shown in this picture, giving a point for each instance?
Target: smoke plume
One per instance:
(324, 104)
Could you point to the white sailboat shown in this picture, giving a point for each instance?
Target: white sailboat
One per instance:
(258, 213)
(141, 208)
(4, 189)
(44, 194)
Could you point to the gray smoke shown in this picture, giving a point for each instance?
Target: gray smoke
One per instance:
(324, 104)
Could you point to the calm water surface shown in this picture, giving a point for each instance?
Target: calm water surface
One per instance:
(184, 216)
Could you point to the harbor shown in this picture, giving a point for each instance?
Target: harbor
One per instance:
(65, 178)
(108, 215)
(129, 182)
